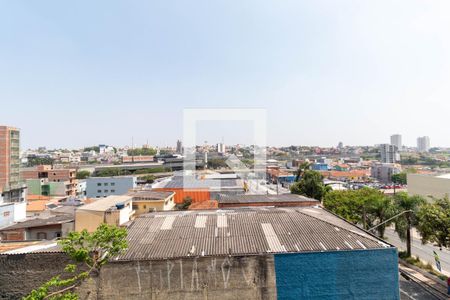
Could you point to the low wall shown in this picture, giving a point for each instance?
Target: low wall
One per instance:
(249, 277)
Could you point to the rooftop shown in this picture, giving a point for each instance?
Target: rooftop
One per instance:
(245, 231)
(264, 198)
(150, 195)
(103, 204)
(191, 182)
(38, 222)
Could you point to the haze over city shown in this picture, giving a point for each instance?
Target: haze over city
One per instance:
(326, 71)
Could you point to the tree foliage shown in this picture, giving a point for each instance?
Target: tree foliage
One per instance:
(310, 185)
(434, 222)
(36, 161)
(399, 178)
(91, 249)
(367, 207)
(301, 170)
(187, 201)
(83, 174)
(141, 151)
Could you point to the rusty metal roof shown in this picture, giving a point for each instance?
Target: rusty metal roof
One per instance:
(243, 231)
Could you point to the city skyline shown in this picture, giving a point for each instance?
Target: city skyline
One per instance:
(324, 71)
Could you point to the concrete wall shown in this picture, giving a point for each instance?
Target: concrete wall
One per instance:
(192, 278)
(425, 185)
(361, 274)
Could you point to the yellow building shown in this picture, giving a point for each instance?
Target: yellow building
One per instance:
(145, 201)
(113, 210)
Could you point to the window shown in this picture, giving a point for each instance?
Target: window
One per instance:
(113, 191)
(145, 206)
(99, 184)
(6, 213)
(57, 234)
(106, 191)
(99, 191)
(105, 184)
(113, 183)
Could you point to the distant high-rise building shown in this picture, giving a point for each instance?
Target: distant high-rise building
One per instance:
(396, 140)
(179, 147)
(12, 189)
(389, 153)
(221, 148)
(423, 144)
(9, 161)
(340, 145)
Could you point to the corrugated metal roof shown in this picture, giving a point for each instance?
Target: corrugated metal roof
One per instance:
(264, 198)
(243, 231)
(37, 222)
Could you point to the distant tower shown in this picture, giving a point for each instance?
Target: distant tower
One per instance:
(396, 140)
(423, 144)
(179, 147)
(340, 146)
(221, 148)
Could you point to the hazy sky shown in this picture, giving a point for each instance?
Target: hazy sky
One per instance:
(76, 73)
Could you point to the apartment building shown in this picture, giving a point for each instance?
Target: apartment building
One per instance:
(100, 187)
(51, 179)
(12, 189)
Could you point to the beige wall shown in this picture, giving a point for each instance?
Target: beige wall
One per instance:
(143, 207)
(425, 185)
(88, 219)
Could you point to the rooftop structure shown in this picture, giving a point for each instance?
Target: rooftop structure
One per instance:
(265, 200)
(114, 210)
(243, 232)
(145, 201)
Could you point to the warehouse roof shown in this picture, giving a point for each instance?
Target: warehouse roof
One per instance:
(192, 182)
(103, 204)
(264, 198)
(246, 231)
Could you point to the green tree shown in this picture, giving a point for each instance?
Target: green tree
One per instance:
(217, 163)
(148, 178)
(366, 206)
(399, 178)
(301, 170)
(83, 174)
(141, 151)
(187, 201)
(36, 161)
(90, 249)
(434, 222)
(410, 205)
(310, 185)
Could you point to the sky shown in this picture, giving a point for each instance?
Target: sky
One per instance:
(77, 73)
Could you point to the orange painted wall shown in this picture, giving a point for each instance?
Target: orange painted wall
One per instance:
(197, 195)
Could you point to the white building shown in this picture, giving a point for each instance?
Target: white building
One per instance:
(221, 148)
(389, 154)
(423, 144)
(396, 140)
(384, 171)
